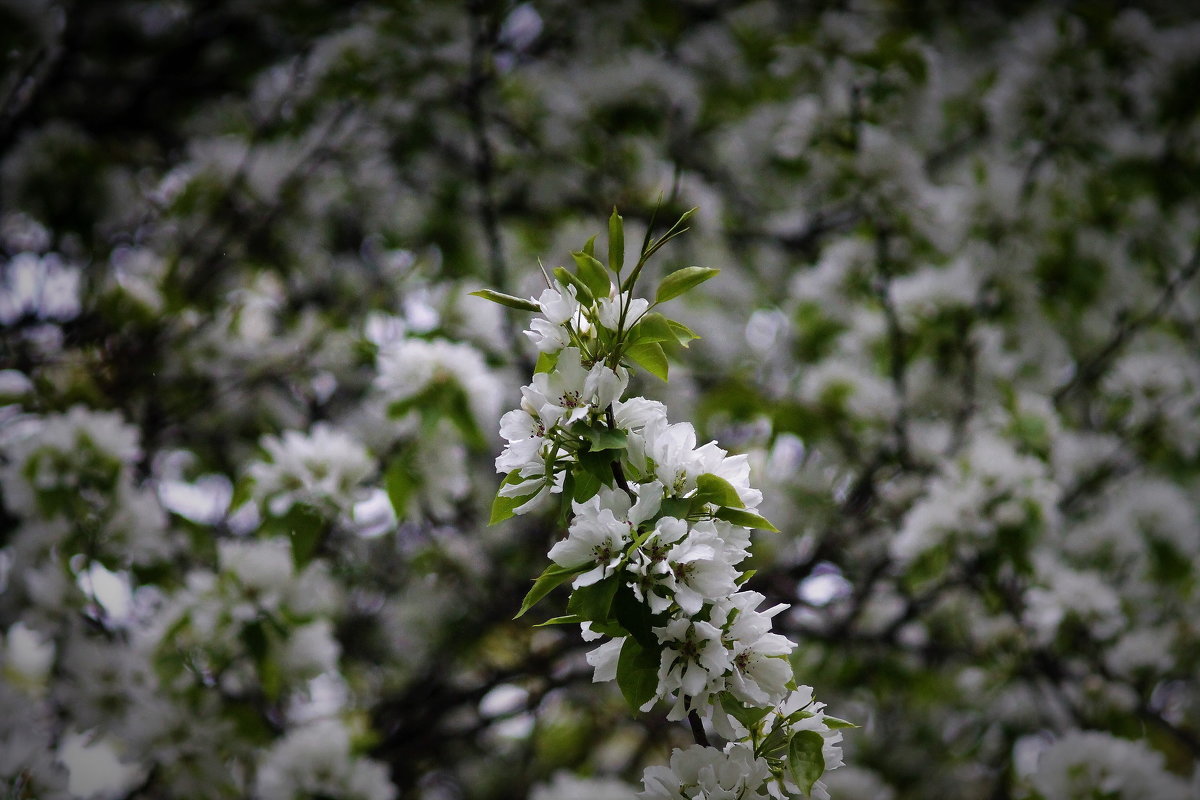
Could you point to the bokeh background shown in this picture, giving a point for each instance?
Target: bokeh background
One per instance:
(250, 411)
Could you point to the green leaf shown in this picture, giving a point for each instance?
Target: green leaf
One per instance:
(718, 491)
(590, 246)
(552, 577)
(569, 619)
(681, 280)
(609, 629)
(507, 300)
(652, 327)
(805, 761)
(834, 723)
(746, 519)
(677, 507)
(683, 334)
(593, 602)
(567, 278)
(502, 507)
(399, 483)
(634, 616)
(545, 362)
(616, 242)
(586, 486)
(598, 464)
(592, 273)
(603, 438)
(564, 499)
(650, 356)
(637, 672)
(747, 715)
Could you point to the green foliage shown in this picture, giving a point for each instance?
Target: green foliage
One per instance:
(637, 672)
(745, 519)
(682, 280)
(507, 300)
(649, 356)
(592, 273)
(718, 491)
(805, 761)
(552, 577)
(616, 242)
(594, 602)
(504, 507)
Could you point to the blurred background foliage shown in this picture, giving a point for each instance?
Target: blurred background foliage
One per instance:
(251, 411)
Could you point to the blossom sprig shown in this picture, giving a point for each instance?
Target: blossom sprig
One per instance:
(656, 529)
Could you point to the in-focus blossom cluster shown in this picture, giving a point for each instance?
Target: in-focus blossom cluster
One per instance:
(656, 528)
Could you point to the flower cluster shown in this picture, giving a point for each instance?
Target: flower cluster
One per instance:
(656, 529)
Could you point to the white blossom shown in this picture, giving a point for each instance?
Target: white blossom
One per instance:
(706, 773)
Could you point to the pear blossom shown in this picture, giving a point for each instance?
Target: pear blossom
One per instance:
(604, 659)
(561, 396)
(670, 448)
(608, 310)
(559, 306)
(694, 659)
(759, 657)
(593, 539)
(706, 773)
(685, 565)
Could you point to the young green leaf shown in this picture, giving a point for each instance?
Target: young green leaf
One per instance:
(593, 602)
(650, 356)
(634, 616)
(748, 716)
(551, 577)
(616, 242)
(592, 273)
(678, 507)
(682, 280)
(834, 723)
(503, 507)
(545, 362)
(518, 303)
(637, 673)
(806, 762)
(652, 327)
(567, 278)
(683, 334)
(745, 576)
(590, 246)
(569, 619)
(564, 499)
(598, 464)
(586, 486)
(745, 519)
(607, 438)
(676, 230)
(714, 489)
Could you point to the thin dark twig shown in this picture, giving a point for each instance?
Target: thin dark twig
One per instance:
(1092, 368)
